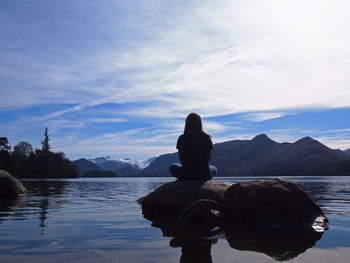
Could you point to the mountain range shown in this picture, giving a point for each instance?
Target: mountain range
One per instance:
(120, 166)
(347, 152)
(258, 156)
(263, 156)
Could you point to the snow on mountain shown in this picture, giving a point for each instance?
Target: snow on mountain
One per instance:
(120, 165)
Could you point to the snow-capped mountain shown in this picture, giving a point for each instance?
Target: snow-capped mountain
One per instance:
(121, 166)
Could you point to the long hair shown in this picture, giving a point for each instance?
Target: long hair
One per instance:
(194, 123)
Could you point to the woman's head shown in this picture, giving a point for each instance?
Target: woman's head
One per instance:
(193, 123)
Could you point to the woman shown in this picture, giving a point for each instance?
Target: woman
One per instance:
(194, 149)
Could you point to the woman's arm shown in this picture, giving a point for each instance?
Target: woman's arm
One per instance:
(180, 155)
(209, 155)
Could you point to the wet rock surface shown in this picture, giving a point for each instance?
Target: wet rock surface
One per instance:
(9, 186)
(170, 199)
(270, 203)
(273, 202)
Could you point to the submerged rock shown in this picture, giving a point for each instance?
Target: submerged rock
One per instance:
(170, 199)
(10, 186)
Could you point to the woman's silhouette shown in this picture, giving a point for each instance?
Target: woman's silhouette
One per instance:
(194, 149)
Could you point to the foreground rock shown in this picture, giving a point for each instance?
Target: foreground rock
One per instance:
(275, 217)
(274, 202)
(170, 199)
(268, 203)
(10, 186)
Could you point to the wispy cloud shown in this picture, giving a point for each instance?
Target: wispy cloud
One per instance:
(156, 61)
(263, 116)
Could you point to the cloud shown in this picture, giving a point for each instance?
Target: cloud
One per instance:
(157, 61)
(261, 66)
(126, 144)
(263, 116)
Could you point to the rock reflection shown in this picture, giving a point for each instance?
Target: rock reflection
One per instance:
(281, 244)
(196, 241)
(193, 250)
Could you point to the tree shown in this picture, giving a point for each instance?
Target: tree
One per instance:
(23, 148)
(4, 144)
(45, 143)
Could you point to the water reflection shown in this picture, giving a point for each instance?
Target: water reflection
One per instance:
(36, 202)
(196, 241)
(280, 244)
(99, 220)
(7, 206)
(193, 250)
(43, 205)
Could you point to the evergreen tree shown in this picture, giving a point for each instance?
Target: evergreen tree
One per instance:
(45, 146)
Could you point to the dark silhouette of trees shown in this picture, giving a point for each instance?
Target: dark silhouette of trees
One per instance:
(24, 163)
(23, 148)
(45, 143)
(4, 144)
(42, 164)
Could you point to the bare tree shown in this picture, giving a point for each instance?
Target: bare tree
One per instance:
(23, 148)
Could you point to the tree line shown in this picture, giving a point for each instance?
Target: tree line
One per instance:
(24, 162)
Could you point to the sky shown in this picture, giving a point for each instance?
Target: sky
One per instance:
(119, 77)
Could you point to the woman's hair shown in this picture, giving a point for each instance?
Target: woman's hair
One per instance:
(193, 123)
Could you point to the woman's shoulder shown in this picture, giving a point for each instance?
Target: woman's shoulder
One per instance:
(195, 136)
(205, 135)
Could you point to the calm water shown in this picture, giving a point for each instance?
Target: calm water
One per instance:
(99, 220)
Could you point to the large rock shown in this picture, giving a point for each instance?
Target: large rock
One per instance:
(274, 202)
(10, 186)
(266, 203)
(172, 198)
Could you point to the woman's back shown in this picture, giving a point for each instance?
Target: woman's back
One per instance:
(194, 148)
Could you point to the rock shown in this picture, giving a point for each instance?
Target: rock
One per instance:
(170, 199)
(10, 186)
(203, 212)
(274, 202)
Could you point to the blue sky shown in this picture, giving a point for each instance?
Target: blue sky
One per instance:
(114, 77)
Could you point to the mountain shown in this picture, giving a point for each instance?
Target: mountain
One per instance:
(347, 152)
(263, 156)
(83, 166)
(120, 166)
(160, 166)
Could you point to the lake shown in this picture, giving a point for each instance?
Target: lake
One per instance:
(99, 220)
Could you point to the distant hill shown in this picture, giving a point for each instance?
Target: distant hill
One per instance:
(99, 173)
(160, 166)
(263, 156)
(83, 166)
(347, 152)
